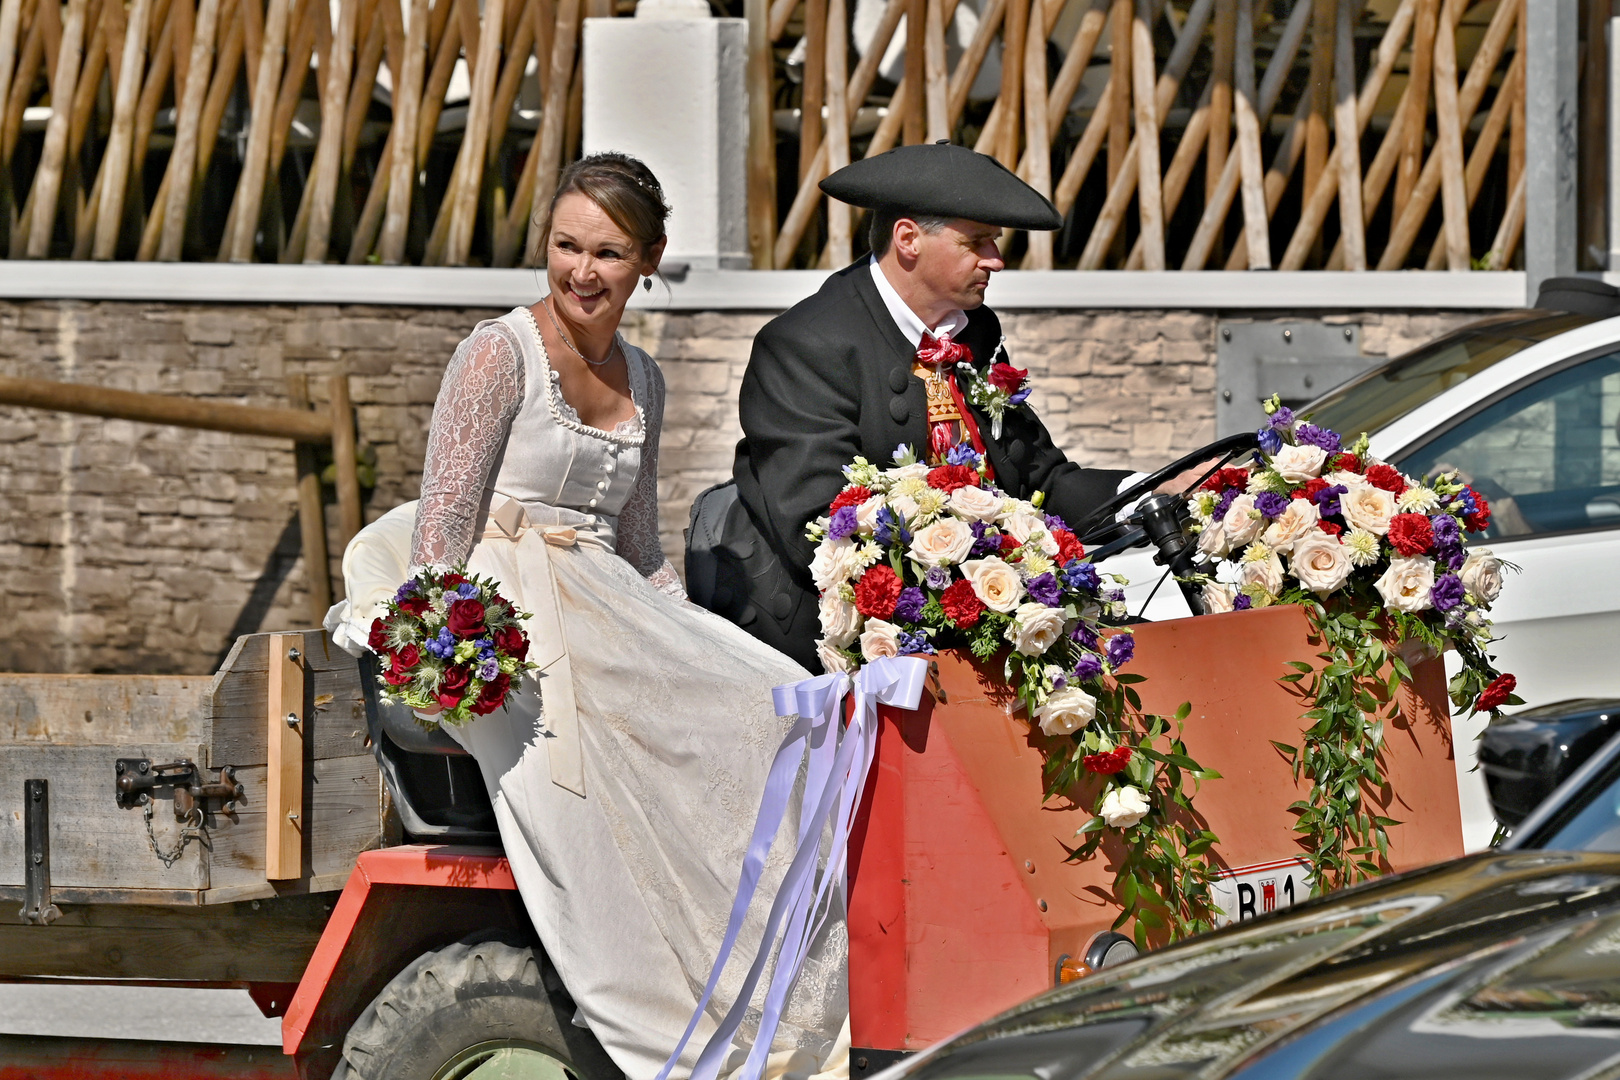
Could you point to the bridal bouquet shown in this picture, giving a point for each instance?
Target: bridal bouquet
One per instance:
(1381, 564)
(913, 559)
(450, 642)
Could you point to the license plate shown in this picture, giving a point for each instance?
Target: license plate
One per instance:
(1245, 892)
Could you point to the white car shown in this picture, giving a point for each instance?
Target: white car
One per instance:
(1525, 406)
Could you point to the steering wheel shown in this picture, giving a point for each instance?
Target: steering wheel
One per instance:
(1100, 525)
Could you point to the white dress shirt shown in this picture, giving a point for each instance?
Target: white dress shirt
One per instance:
(910, 325)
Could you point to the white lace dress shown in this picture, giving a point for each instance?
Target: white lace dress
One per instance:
(630, 884)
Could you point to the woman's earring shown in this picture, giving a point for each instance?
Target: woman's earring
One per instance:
(646, 283)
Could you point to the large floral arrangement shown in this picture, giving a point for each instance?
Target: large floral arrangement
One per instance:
(912, 559)
(451, 646)
(1381, 563)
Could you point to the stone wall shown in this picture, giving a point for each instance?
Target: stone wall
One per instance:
(130, 547)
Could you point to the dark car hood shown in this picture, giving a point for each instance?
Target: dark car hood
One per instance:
(1494, 966)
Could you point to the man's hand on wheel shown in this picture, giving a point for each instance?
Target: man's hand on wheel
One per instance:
(1182, 482)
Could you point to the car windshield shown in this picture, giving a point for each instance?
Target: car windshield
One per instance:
(1385, 394)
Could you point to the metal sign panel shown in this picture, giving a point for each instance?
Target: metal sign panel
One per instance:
(1298, 360)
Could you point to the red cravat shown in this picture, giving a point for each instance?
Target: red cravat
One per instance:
(947, 426)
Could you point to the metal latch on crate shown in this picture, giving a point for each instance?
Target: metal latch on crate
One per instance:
(137, 780)
(37, 907)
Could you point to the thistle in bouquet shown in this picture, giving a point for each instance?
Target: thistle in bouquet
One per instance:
(1381, 563)
(911, 559)
(450, 643)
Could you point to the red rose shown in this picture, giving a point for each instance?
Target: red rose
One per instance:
(414, 605)
(1411, 534)
(1388, 478)
(1332, 528)
(1227, 478)
(948, 478)
(850, 496)
(453, 581)
(962, 606)
(492, 695)
(378, 639)
(511, 641)
(1007, 378)
(1069, 546)
(1480, 519)
(401, 665)
(1494, 696)
(1344, 462)
(454, 683)
(465, 618)
(1108, 762)
(877, 592)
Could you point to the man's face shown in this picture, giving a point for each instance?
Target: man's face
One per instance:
(955, 263)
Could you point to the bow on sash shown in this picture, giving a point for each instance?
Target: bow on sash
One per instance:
(834, 782)
(548, 644)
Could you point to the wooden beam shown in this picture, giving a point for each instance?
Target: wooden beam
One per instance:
(402, 166)
(284, 787)
(1038, 136)
(48, 178)
(1419, 78)
(1256, 226)
(835, 58)
(88, 400)
(343, 457)
(814, 95)
(183, 161)
(1119, 62)
(469, 175)
(916, 120)
(1347, 133)
(761, 138)
(936, 76)
(1220, 100)
(238, 245)
(1453, 186)
(1320, 89)
(311, 513)
(1150, 200)
(1014, 30)
(336, 72)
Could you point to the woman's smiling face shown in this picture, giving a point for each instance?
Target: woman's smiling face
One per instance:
(592, 264)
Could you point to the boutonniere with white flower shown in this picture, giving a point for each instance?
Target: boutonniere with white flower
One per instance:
(997, 388)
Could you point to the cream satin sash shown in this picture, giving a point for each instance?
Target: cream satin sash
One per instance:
(548, 644)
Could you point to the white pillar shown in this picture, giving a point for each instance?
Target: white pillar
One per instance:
(1550, 140)
(668, 87)
(1614, 144)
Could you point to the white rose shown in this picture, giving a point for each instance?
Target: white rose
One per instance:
(1024, 525)
(1405, 585)
(1212, 540)
(903, 506)
(880, 639)
(996, 584)
(1241, 522)
(1482, 575)
(1066, 711)
(866, 515)
(1368, 509)
(917, 470)
(1035, 627)
(944, 543)
(1297, 464)
(834, 563)
(1266, 573)
(1292, 525)
(1124, 806)
(831, 659)
(839, 619)
(975, 504)
(1320, 563)
(1218, 598)
(1348, 480)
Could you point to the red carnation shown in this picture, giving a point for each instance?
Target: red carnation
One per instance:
(1344, 462)
(877, 592)
(492, 695)
(1495, 695)
(1313, 486)
(414, 605)
(401, 665)
(1480, 519)
(1227, 478)
(1109, 761)
(1007, 378)
(1010, 544)
(378, 638)
(510, 640)
(948, 478)
(465, 618)
(1388, 478)
(1332, 528)
(850, 496)
(453, 580)
(962, 606)
(1411, 534)
(453, 683)
(1069, 546)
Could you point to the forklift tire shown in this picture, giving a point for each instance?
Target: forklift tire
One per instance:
(457, 1009)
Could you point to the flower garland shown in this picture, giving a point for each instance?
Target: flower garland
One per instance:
(1378, 561)
(912, 559)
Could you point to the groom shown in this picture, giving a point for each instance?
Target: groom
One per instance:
(869, 363)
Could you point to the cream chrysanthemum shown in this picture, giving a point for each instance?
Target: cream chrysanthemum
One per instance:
(930, 504)
(1256, 552)
(1035, 561)
(1362, 547)
(1418, 500)
(911, 487)
(866, 555)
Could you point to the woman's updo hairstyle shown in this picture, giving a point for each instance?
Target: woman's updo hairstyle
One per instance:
(623, 187)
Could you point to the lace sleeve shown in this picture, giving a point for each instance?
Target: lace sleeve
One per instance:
(481, 393)
(638, 522)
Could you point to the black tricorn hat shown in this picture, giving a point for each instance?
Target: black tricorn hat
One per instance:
(942, 180)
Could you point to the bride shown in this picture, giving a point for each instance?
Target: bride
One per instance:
(626, 778)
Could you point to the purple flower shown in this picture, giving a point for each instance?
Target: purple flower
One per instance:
(886, 527)
(1083, 635)
(1270, 504)
(1081, 576)
(1453, 557)
(443, 645)
(914, 643)
(1446, 530)
(489, 669)
(1470, 504)
(1270, 441)
(962, 454)
(937, 578)
(909, 607)
(900, 453)
(984, 541)
(1121, 647)
(842, 524)
(405, 590)
(1328, 499)
(1054, 523)
(1043, 588)
(1242, 602)
(1020, 397)
(1224, 503)
(486, 648)
(1059, 682)
(1311, 435)
(1447, 592)
(467, 590)
(1282, 419)
(1089, 667)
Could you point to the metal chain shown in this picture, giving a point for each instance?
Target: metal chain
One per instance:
(197, 831)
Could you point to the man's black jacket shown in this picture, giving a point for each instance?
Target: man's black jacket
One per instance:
(829, 380)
